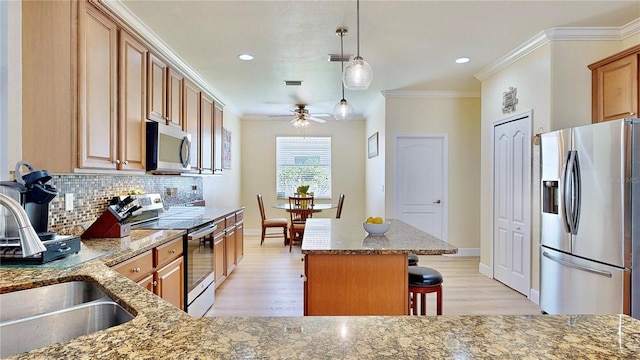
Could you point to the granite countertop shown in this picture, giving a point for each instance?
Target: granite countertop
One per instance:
(162, 331)
(338, 236)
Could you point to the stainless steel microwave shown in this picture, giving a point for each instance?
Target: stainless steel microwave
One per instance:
(168, 149)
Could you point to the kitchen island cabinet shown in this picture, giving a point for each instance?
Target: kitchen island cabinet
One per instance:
(348, 272)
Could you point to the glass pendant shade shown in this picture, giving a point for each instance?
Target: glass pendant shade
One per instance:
(357, 75)
(343, 110)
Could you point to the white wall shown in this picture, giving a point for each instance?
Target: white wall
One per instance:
(375, 174)
(224, 191)
(11, 93)
(258, 147)
(460, 119)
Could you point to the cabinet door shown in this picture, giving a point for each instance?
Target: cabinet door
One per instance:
(97, 81)
(174, 98)
(219, 259)
(133, 98)
(170, 283)
(217, 140)
(191, 118)
(230, 248)
(148, 283)
(618, 83)
(207, 110)
(239, 242)
(156, 89)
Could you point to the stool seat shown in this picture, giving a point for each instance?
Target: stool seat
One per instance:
(424, 276)
(413, 259)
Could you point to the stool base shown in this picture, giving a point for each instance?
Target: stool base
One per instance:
(420, 293)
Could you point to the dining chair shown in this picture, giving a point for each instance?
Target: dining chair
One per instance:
(340, 203)
(300, 209)
(271, 223)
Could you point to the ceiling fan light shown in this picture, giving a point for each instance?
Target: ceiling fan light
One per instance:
(357, 75)
(301, 123)
(343, 110)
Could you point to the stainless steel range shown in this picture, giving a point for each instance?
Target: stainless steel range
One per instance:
(198, 250)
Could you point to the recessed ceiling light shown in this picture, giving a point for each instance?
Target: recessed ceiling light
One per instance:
(245, 57)
(462, 60)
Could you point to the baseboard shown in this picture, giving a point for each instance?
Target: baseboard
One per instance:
(485, 270)
(466, 252)
(534, 296)
(253, 232)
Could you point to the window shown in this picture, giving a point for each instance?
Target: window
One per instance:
(303, 161)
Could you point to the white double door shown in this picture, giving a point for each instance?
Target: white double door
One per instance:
(512, 204)
(421, 182)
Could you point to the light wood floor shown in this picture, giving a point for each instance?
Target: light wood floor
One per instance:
(267, 283)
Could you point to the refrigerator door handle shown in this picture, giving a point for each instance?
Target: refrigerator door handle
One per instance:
(567, 204)
(577, 194)
(576, 266)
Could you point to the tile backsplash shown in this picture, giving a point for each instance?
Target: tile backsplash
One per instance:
(92, 193)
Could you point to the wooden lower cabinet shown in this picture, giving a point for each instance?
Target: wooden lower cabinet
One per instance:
(356, 284)
(220, 267)
(159, 270)
(169, 279)
(230, 248)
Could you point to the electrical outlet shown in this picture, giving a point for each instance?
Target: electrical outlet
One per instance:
(68, 202)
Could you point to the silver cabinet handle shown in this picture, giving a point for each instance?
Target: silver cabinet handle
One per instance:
(437, 201)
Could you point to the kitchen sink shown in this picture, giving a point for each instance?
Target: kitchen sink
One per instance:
(19, 304)
(83, 310)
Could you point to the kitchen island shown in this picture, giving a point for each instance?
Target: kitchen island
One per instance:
(348, 272)
(162, 331)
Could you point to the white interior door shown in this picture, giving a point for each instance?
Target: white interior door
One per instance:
(420, 182)
(512, 204)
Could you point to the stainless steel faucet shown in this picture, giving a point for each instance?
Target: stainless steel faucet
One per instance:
(29, 240)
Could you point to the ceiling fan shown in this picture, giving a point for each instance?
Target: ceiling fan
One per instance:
(302, 116)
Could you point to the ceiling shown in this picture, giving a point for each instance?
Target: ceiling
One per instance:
(411, 45)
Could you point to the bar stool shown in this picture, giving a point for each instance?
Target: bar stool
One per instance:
(422, 281)
(413, 259)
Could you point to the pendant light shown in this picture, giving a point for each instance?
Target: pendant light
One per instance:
(358, 73)
(343, 110)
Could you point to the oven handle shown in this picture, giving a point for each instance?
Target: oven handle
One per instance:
(200, 233)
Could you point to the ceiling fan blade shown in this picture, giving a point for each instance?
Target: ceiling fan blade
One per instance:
(322, 121)
(293, 120)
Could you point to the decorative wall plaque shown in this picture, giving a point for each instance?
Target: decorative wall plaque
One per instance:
(509, 100)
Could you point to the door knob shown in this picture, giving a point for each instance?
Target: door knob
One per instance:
(437, 202)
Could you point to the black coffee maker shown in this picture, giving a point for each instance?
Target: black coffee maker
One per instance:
(34, 194)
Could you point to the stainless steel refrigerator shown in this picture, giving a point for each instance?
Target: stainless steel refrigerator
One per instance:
(590, 219)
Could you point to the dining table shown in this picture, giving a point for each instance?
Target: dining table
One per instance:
(317, 207)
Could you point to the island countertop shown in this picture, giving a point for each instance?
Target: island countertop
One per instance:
(162, 331)
(338, 236)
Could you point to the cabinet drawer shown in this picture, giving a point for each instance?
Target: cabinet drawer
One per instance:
(221, 226)
(239, 216)
(230, 220)
(137, 267)
(167, 252)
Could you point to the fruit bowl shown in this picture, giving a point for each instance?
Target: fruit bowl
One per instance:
(376, 229)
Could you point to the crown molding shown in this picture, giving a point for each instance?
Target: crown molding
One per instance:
(408, 94)
(560, 34)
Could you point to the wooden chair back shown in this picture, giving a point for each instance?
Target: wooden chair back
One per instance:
(340, 203)
(300, 208)
(261, 206)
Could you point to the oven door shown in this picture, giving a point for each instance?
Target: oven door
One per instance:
(200, 270)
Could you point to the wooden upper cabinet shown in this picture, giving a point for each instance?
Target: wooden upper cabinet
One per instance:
(207, 110)
(191, 116)
(217, 140)
(97, 96)
(156, 89)
(615, 82)
(175, 98)
(133, 98)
